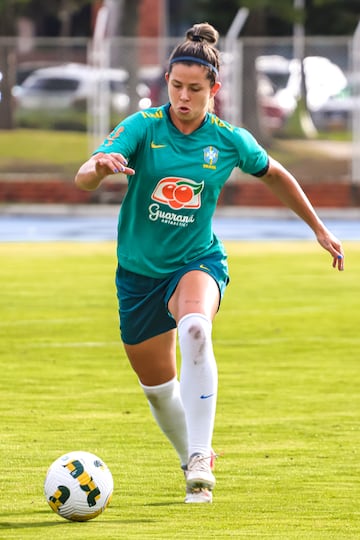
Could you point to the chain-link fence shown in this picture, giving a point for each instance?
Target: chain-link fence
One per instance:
(75, 84)
(356, 106)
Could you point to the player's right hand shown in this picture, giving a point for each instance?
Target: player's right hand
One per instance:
(113, 163)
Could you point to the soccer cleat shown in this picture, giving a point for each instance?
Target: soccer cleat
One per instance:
(198, 495)
(199, 474)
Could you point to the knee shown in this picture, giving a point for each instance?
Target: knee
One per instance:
(196, 325)
(195, 335)
(161, 393)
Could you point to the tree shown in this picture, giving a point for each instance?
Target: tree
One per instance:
(274, 17)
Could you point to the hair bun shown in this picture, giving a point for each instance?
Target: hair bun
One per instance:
(203, 32)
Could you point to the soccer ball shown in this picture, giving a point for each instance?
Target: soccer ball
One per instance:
(78, 486)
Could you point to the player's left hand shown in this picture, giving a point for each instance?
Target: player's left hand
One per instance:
(329, 242)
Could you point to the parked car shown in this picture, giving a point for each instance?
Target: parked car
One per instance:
(70, 86)
(153, 76)
(279, 86)
(24, 69)
(337, 111)
(273, 113)
(323, 79)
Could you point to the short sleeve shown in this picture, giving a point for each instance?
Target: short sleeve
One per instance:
(253, 158)
(125, 137)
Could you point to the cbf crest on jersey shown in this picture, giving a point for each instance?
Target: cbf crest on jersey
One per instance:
(211, 155)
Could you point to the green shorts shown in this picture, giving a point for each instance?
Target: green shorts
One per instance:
(143, 300)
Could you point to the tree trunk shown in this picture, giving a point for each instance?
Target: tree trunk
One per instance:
(7, 69)
(7, 65)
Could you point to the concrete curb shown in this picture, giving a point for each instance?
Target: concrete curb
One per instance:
(222, 211)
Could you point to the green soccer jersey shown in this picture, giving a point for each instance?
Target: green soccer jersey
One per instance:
(165, 219)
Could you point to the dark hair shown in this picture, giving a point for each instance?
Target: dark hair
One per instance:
(199, 47)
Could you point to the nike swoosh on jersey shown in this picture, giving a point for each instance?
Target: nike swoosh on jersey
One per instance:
(206, 396)
(203, 267)
(154, 145)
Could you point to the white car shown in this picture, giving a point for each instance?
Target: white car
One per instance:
(323, 79)
(338, 111)
(71, 85)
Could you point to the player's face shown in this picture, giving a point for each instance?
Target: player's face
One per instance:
(189, 94)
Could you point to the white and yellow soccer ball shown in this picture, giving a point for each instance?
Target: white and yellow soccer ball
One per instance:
(78, 486)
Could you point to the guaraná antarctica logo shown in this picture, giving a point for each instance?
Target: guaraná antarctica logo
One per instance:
(178, 192)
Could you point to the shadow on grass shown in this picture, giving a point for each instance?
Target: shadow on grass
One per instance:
(43, 524)
(8, 525)
(23, 525)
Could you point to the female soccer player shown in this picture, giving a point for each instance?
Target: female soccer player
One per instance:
(172, 269)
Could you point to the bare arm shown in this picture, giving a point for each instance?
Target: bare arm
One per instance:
(287, 189)
(93, 171)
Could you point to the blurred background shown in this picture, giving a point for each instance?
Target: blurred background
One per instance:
(71, 70)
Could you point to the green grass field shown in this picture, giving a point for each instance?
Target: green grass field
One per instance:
(60, 152)
(286, 341)
(36, 151)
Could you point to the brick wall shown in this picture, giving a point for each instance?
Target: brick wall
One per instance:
(42, 191)
(252, 194)
(325, 195)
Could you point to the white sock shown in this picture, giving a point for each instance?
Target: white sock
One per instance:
(198, 381)
(167, 409)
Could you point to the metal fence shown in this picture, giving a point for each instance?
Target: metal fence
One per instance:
(356, 110)
(262, 84)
